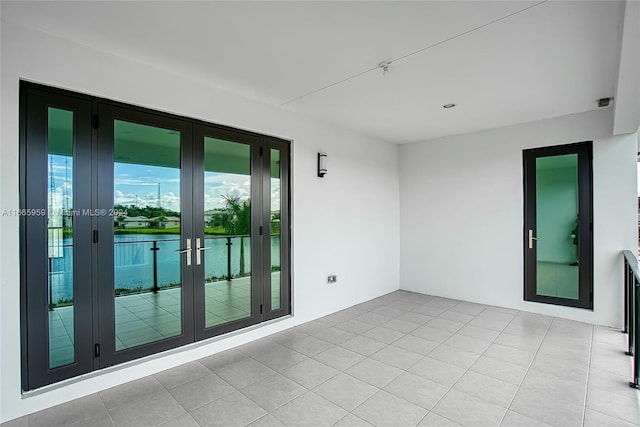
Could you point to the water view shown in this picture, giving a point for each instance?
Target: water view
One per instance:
(134, 264)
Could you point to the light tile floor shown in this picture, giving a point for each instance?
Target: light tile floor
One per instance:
(404, 359)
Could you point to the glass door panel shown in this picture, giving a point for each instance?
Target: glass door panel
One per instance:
(275, 238)
(225, 252)
(60, 237)
(276, 244)
(557, 226)
(147, 234)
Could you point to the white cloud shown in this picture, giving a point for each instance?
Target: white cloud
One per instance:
(218, 185)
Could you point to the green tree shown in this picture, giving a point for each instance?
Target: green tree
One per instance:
(237, 221)
(275, 222)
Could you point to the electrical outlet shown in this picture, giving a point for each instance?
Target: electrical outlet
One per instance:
(332, 279)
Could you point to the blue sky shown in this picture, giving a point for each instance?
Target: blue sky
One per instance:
(138, 185)
(59, 182)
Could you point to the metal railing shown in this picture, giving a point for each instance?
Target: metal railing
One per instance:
(632, 312)
(135, 253)
(155, 248)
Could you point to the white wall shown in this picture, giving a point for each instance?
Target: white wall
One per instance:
(461, 213)
(627, 98)
(345, 224)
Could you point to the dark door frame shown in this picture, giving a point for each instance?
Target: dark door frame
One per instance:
(33, 228)
(584, 150)
(108, 113)
(285, 236)
(201, 132)
(92, 191)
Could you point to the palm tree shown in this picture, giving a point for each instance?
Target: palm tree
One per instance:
(237, 221)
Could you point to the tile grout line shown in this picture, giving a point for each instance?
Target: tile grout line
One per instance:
(469, 368)
(610, 416)
(546, 332)
(586, 391)
(432, 350)
(166, 390)
(486, 309)
(269, 412)
(193, 380)
(404, 370)
(602, 389)
(443, 342)
(106, 410)
(338, 371)
(350, 412)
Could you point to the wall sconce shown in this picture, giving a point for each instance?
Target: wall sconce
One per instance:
(322, 165)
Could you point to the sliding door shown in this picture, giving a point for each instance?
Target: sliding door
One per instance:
(142, 231)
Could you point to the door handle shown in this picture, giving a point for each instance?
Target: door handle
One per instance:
(199, 249)
(187, 251)
(531, 239)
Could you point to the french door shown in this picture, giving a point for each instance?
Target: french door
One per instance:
(257, 168)
(142, 232)
(145, 281)
(558, 225)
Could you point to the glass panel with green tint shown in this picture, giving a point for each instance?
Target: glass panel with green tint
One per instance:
(556, 226)
(147, 234)
(275, 228)
(60, 237)
(226, 250)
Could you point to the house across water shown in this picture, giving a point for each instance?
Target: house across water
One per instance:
(134, 222)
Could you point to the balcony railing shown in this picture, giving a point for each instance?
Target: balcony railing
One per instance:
(151, 264)
(156, 245)
(632, 311)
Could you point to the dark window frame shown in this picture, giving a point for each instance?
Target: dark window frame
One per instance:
(33, 376)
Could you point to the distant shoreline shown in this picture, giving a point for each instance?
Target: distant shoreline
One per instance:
(173, 230)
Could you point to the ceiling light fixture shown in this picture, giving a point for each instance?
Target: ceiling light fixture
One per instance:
(385, 67)
(448, 105)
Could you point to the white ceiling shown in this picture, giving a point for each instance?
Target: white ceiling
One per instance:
(501, 63)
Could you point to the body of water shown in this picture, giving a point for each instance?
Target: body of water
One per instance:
(134, 265)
